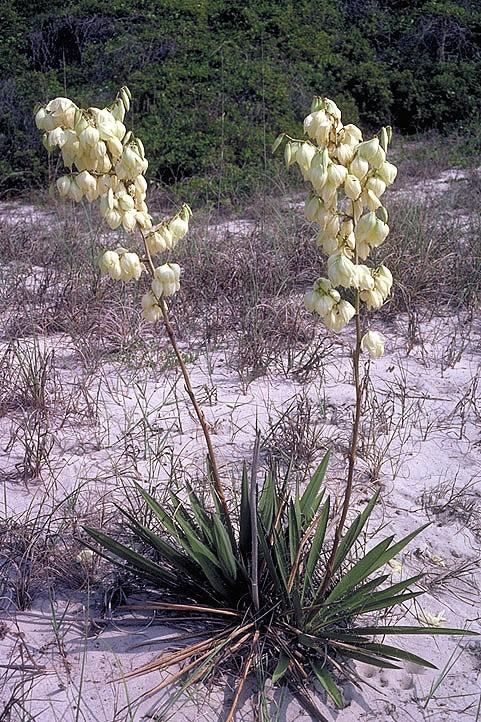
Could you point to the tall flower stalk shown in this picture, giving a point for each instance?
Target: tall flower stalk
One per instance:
(348, 176)
(106, 163)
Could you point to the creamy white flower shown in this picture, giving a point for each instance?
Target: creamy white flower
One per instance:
(359, 167)
(364, 280)
(341, 270)
(383, 280)
(373, 343)
(368, 149)
(85, 557)
(178, 227)
(373, 299)
(151, 310)
(352, 187)
(63, 185)
(110, 264)
(387, 172)
(131, 266)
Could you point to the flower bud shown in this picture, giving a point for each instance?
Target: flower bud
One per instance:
(373, 343)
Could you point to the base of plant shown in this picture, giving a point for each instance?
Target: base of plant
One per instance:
(258, 578)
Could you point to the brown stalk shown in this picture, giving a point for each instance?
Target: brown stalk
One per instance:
(245, 674)
(219, 489)
(152, 606)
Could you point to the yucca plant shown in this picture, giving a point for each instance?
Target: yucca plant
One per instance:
(261, 577)
(284, 591)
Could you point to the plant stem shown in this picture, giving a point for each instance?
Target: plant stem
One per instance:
(199, 413)
(356, 354)
(219, 489)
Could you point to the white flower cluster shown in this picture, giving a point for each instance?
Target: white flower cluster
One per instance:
(166, 282)
(107, 164)
(348, 176)
(106, 161)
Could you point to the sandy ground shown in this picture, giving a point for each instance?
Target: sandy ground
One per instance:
(65, 657)
(423, 449)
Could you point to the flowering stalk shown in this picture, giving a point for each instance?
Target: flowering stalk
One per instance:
(348, 176)
(106, 163)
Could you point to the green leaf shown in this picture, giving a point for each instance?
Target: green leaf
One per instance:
(414, 630)
(165, 550)
(267, 504)
(202, 516)
(293, 533)
(142, 565)
(395, 653)
(245, 526)
(160, 513)
(353, 532)
(352, 653)
(281, 668)
(359, 571)
(327, 683)
(224, 549)
(385, 602)
(312, 496)
(316, 546)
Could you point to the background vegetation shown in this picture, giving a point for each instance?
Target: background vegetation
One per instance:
(213, 80)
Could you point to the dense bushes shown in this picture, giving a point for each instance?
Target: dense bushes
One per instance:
(215, 79)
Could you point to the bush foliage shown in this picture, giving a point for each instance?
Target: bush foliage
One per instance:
(215, 80)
